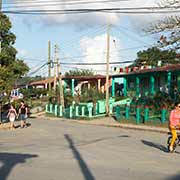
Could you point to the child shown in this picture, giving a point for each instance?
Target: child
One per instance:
(12, 115)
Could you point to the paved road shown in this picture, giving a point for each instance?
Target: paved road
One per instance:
(64, 150)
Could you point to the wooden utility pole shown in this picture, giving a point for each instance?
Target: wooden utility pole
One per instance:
(61, 95)
(55, 65)
(107, 70)
(49, 63)
(0, 5)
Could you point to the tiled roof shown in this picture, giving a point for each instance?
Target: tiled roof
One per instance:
(79, 78)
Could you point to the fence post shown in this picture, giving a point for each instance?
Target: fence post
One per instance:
(118, 115)
(138, 114)
(60, 111)
(56, 110)
(83, 111)
(127, 111)
(51, 108)
(70, 111)
(163, 114)
(77, 111)
(146, 113)
(47, 108)
(90, 111)
(110, 108)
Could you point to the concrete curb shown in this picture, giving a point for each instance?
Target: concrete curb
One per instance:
(103, 122)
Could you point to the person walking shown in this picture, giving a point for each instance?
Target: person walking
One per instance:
(12, 114)
(22, 114)
(174, 123)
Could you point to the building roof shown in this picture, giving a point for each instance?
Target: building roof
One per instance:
(167, 68)
(79, 78)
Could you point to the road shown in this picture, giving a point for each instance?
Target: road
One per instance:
(65, 150)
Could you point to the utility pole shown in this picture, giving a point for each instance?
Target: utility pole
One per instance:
(49, 63)
(61, 95)
(0, 24)
(55, 69)
(107, 70)
(0, 5)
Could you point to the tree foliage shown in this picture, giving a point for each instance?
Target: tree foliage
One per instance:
(151, 56)
(170, 25)
(11, 68)
(80, 72)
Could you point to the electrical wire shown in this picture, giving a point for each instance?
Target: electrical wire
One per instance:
(146, 10)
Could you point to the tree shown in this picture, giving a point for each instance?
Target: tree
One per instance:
(11, 68)
(151, 56)
(77, 72)
(170, 25)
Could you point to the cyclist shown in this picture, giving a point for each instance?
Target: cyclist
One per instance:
(174, 123)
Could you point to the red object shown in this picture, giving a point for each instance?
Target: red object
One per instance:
(138, 106)
(127, 69)
(146, 106)
(121, 70)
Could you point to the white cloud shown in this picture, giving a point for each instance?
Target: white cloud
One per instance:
(22, 53)
(84, 19)
(94, 51)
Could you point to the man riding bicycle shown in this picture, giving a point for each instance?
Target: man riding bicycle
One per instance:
(174, 123)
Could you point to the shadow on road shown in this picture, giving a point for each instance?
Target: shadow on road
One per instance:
(9, 160)
(155, 145)
(176, 177)
(84, 168)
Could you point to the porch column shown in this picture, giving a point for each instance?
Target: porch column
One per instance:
(125, 86)
(99, 85)
(72, 87)
(137, 86)
(169, 82)
(46, 85)
(89, 85)
(113, 87)
(152, 81)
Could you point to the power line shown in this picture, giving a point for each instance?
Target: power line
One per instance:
(146, 10)
(67, 1)
(37, 4)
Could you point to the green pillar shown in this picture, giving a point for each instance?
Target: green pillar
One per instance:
(90, 112)
(152, 81)
(125, 86)
(127, 111)
(56, 110)
(70, 111)
(113, 87)
(77, 111)
(47, 108)
(163, 114)
(169, 82)
(60, 111)
(138, 116)
(146, 113)
(137, 86)
(72, 87)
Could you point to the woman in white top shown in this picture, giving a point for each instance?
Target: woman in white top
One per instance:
(12, 116)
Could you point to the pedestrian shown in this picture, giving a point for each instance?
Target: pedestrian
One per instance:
(174, 123)
(22, 114)
(12, 114)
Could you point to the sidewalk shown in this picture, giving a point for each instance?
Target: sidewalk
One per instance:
(111, 122)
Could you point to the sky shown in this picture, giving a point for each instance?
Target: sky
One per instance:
(82, 38)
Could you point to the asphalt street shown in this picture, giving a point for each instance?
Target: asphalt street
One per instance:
(64, 150)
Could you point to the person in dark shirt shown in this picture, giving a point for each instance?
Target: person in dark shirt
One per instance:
(22, 113)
